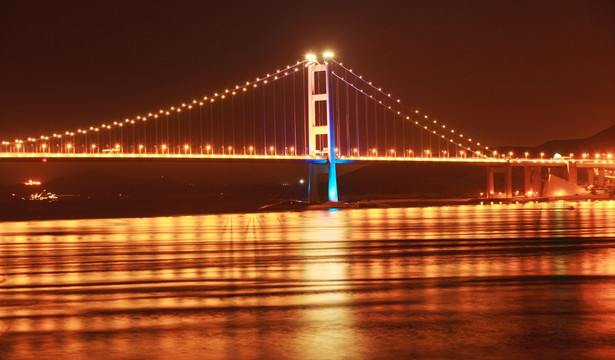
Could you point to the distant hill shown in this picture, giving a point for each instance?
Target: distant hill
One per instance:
(602, 142)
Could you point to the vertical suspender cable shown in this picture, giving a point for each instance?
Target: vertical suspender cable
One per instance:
(233, 122)
(337, 116)
(275, 131)
(222, 138)
(264, 122)
(394, 131)
(284, 108)
(243, 121)
(348, 150)
(403, 135)
(376, 125)
(211, 125)
(386, 139)
(253, 93)
(366, 127)
(356, 112)
(294, 114)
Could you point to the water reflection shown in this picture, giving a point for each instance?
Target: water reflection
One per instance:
(521, 281)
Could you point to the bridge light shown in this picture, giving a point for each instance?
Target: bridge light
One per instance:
(328, 55)
(310, 57)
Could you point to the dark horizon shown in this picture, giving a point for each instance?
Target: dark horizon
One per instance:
(505, 73)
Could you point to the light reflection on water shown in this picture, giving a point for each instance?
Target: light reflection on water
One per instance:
(485, 281)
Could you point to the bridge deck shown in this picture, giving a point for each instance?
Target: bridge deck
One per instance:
(301, 159)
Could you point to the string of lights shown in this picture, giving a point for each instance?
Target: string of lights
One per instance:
(415, 112)
(406, 117)
(69, 145)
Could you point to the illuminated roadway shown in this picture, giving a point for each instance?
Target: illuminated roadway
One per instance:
(25, 156)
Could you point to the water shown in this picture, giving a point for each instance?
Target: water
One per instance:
(490, 281)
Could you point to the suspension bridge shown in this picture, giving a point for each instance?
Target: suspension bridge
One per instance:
(317, 111)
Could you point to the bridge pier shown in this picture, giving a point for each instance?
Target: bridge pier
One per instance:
(507, 170)
(572, 172)
(490, 182)
(601, 174)
(532, 181)
(590, 176)
(508, 180)
(314, 170)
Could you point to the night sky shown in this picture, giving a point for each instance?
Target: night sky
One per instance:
(504, 72)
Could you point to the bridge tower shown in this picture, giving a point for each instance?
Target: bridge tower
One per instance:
(321, 126)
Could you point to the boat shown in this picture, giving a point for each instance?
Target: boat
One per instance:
(43, 196)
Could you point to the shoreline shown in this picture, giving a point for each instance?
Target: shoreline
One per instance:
(81, 209)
